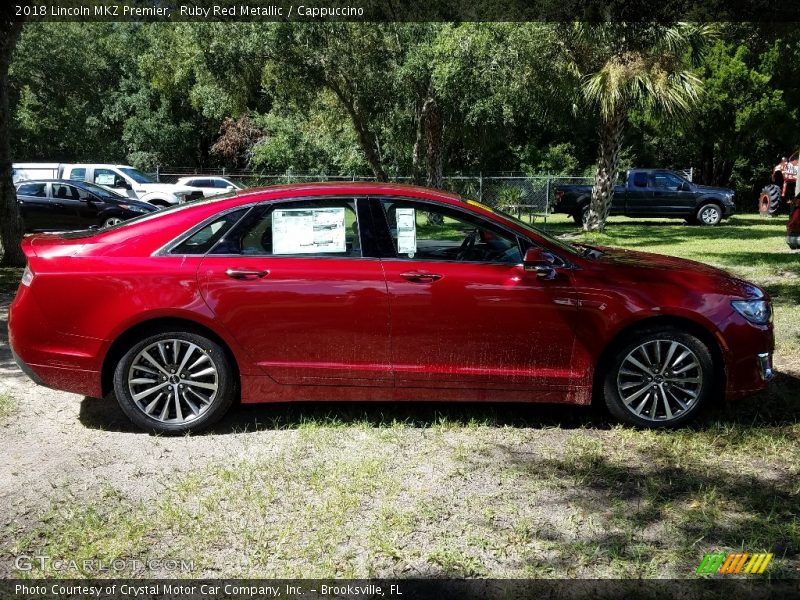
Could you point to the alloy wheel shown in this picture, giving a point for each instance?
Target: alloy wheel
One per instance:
(710, 215)
(660, 380)
(112, 221)
(173, 381)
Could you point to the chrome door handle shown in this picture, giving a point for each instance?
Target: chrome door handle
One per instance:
(246, 273)
(421, 277)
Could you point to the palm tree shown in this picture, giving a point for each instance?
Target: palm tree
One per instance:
(632, 66)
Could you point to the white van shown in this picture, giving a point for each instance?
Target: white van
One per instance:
(121, 178)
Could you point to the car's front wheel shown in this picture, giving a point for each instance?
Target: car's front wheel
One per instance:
(709, 214)
(174, 382)
(659, 378)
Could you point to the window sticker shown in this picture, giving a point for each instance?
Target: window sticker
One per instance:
(308, 230)
(406, 231)
(104, 179)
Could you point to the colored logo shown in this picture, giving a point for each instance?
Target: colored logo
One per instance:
(732, 564)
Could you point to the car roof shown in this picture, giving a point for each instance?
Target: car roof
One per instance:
(328, 188)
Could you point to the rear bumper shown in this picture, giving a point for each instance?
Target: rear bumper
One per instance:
(55, 360)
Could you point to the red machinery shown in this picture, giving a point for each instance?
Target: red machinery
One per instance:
(781, 190)
(793, 226)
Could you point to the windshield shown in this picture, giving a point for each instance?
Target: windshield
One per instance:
(546, 236)
(99, 190)
(137, 176)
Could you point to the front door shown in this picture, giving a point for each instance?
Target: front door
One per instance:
(669, 196)
(464, 312)
(291, 284)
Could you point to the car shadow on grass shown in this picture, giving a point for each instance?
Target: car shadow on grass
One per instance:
(777, 406)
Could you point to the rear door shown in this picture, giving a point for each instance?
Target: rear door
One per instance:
(638, 195)
(34, 205)
(299, 287)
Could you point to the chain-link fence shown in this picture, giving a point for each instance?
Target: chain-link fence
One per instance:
(528, 197)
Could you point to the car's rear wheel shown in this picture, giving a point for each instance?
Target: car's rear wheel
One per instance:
(174, 382)
(709, 214)
(659, 378)
(581, 215)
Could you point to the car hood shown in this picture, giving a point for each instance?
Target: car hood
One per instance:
(648, 266)
(708, 189)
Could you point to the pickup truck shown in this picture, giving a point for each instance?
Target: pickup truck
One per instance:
(123, 179)
(652, 193)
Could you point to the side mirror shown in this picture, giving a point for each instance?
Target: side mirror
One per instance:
(120, 182)
(540, 262)
(686, 187)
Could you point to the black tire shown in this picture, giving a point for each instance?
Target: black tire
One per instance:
(709, 214)
(206, 352)
(622, 376)
(773, 192)
(580, 215)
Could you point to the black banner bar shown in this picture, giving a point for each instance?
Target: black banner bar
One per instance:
(775, 11)
(396, 589)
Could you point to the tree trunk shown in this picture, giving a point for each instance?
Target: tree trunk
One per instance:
(433, 128)
(366, 138)
(605, 178)
(434, 138)
(417, 152)
(10, 222)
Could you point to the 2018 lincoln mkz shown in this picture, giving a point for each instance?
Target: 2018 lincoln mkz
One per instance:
(376, 292)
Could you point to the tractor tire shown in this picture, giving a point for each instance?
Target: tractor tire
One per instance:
(772, 193)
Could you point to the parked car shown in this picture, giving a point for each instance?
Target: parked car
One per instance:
(210, 186)
(653, 193)
(58, 205)
(121, 178)
(333, 292)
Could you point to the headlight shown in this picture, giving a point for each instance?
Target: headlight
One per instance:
(755, 311)
(137, 209)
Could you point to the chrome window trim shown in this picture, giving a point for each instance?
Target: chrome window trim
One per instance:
(567, 264)
(165, 250)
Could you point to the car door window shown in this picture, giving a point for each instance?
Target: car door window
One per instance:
(326, 227)
(105, 177)
(422, 231)
(666, 181)
(37, 190)
(63, 191)
(640, 180)
(204, 238)
(220, 183)
(78, 174)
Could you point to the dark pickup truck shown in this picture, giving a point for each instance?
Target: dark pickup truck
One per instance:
(652, 193)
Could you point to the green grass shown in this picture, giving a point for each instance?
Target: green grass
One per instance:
(7, 406)
(361, 490)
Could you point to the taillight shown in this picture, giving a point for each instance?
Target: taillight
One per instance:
(27, 276)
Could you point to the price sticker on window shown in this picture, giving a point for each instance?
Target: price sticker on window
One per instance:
(406, 231)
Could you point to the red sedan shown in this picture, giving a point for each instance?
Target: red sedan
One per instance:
(376, 292)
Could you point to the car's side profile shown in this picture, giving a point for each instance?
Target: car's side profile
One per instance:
(209, 185)
(376, 292)
(61, 205)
